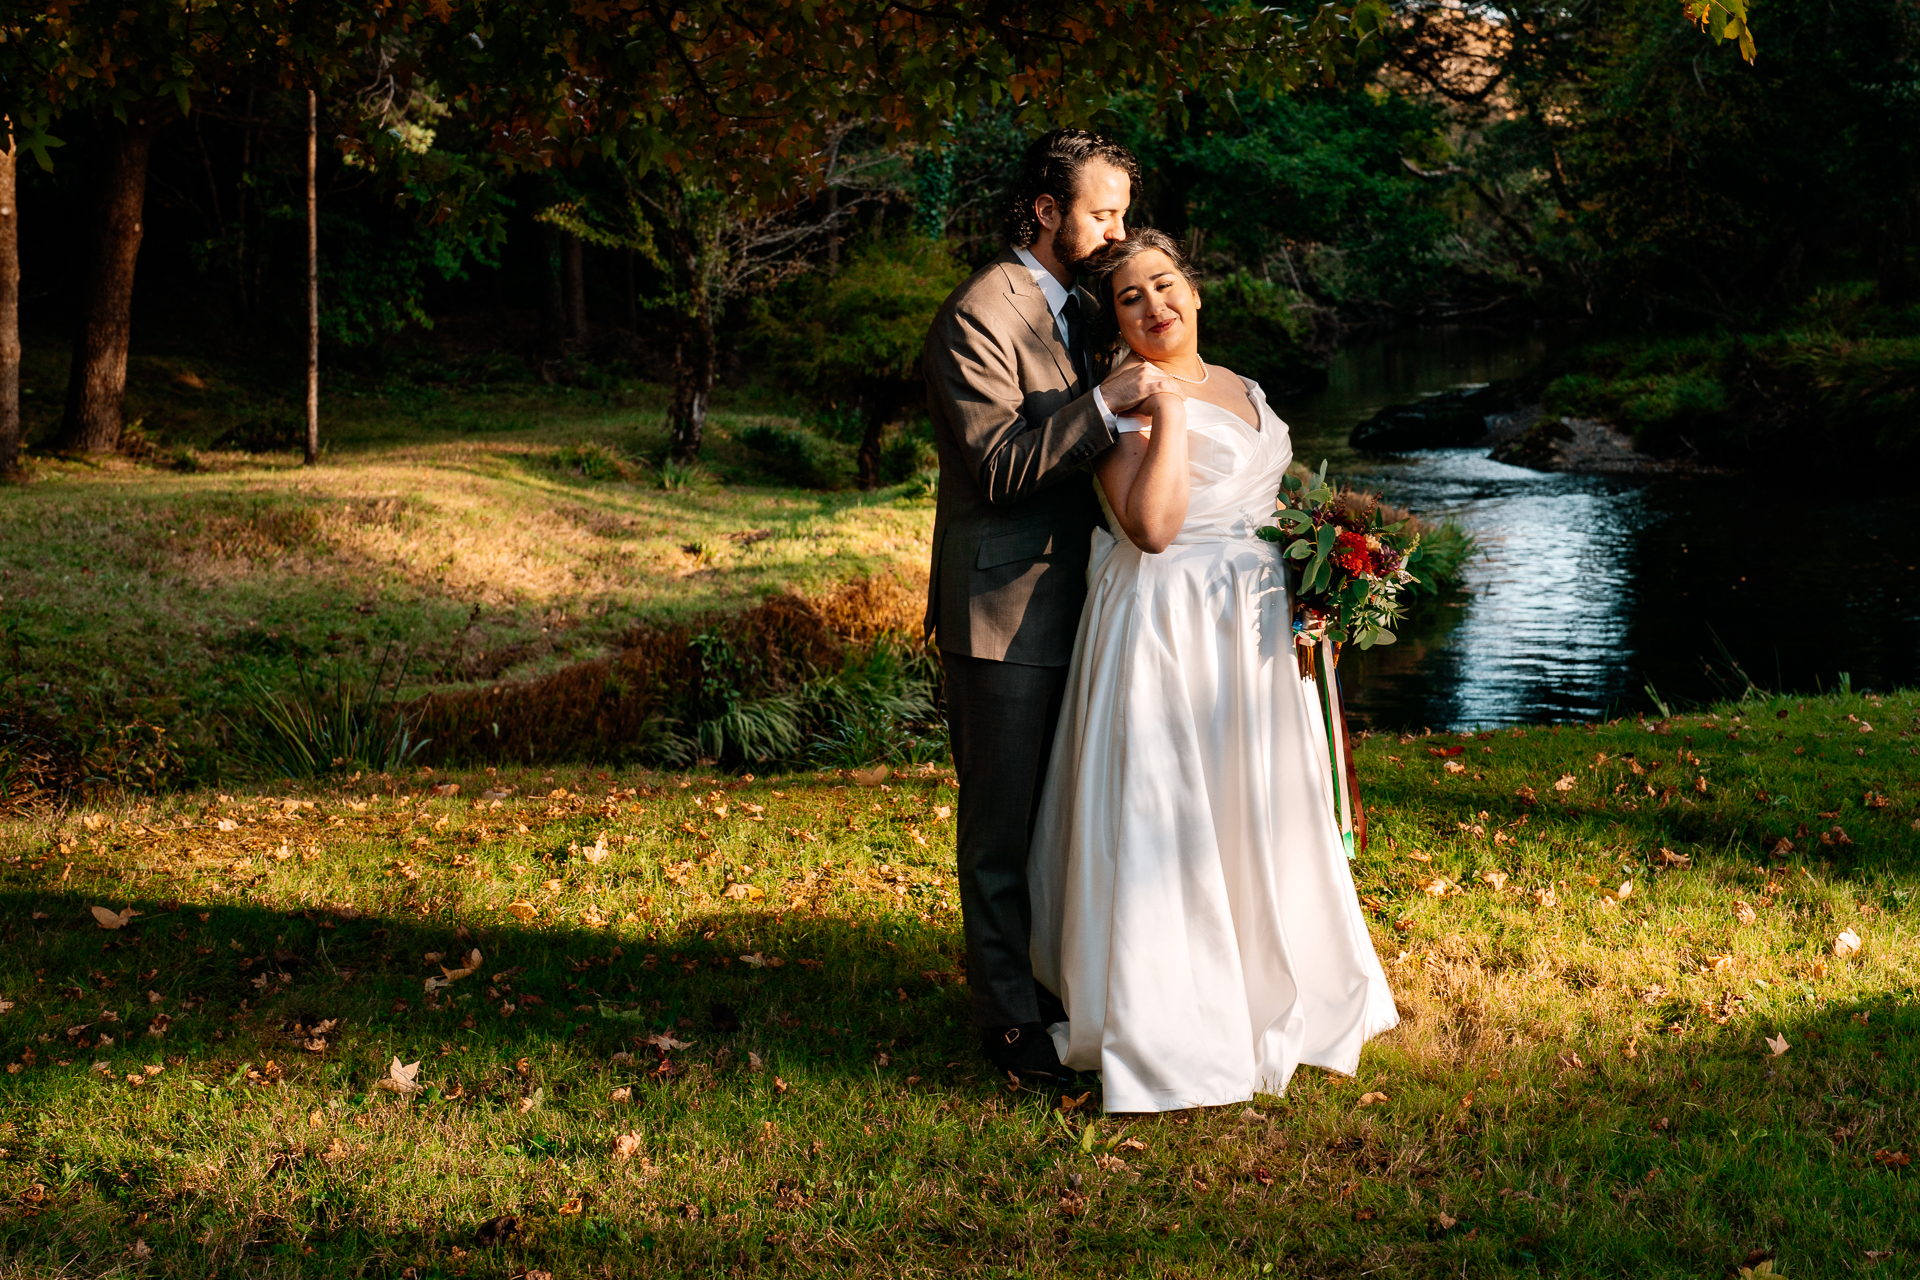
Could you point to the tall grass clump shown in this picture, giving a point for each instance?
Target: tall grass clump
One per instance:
(326, 722)
(878, 706)
(1439, 563)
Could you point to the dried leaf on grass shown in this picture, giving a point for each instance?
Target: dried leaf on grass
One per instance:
(113, 919)
(522, 911)
(1777, 1045)
(626, 1146)
(450, 976)
(401, 1079)
(665, 1042)
(1847, 944)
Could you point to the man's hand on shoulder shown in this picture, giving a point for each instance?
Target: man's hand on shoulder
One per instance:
(1132, 381)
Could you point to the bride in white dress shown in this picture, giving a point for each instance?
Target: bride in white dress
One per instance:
(1192, 905)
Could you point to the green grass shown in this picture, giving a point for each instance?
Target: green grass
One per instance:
(491, 530)
(1580, 1087)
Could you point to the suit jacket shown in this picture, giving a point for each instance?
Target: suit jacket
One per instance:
(1015, 429)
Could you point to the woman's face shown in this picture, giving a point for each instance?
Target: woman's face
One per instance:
(1157, 309)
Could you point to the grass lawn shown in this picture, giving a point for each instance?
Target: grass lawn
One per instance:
(458, 522)
(716, 1027)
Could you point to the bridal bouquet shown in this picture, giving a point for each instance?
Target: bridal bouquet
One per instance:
(1348, 560)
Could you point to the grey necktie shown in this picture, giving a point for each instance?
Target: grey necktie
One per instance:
(1076, 336)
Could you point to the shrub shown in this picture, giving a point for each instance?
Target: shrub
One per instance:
(1262, 331)
(908, 452)
(592, 461)
(853, 339)
(1439, 563)
(799, 456)
(676, 473)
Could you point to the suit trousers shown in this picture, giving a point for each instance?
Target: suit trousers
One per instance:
(1001, 716)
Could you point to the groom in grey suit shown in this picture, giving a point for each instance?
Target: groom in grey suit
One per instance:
(1017, 416)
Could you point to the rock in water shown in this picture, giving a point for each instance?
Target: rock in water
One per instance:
(1450, 419)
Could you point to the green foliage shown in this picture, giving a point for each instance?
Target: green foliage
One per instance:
(377, 264)
(908, 452)
(878, 706)
(1310, 184)
(799, 456)
(1853, 377)
(329, 720)
(1261, 330)
(848, 335)
(1647, 173)
(677, 474)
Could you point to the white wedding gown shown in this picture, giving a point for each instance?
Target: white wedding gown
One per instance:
(1192, 905)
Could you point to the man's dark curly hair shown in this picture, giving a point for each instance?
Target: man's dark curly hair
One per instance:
(1052, 168)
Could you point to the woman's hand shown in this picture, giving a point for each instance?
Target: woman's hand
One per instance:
(1145, 474)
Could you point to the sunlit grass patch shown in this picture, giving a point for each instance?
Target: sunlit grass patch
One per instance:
(719, 1025)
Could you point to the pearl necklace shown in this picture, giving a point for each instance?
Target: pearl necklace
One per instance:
(1196, 382)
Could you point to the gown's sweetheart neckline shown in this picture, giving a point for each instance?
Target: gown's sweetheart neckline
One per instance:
(1258, 425)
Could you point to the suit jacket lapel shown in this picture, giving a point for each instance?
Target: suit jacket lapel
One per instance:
(1032, 306)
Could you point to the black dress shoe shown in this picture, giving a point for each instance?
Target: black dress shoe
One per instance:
(1025, 1050)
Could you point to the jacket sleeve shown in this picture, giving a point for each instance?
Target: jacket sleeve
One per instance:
(1010, 451)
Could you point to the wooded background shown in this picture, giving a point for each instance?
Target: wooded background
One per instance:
(784, 191)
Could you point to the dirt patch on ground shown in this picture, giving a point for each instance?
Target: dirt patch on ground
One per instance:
(602, 707)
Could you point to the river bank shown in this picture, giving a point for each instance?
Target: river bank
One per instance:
(1843, 379)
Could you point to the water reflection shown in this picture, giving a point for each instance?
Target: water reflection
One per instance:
(1589, 589)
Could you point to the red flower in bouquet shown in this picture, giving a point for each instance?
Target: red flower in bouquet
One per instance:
(1351, 553)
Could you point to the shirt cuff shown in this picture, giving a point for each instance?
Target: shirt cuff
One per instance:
(1115, 424)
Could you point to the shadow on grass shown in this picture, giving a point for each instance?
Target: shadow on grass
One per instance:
(721, 1015)
(867, 1072)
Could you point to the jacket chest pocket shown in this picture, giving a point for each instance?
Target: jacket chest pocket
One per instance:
(1007, 548)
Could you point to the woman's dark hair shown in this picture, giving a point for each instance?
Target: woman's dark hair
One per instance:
(1052, 168)
(1103, 337)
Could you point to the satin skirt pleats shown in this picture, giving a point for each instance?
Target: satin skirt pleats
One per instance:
(1193, 906)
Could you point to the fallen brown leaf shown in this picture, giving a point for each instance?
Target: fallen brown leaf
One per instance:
(113, 919)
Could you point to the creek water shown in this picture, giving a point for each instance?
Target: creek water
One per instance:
(1590, 591)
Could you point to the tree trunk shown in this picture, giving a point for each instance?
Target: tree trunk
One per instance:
(633, 295)
(869, 456)
(553, 324)
(97, 381)
(9, 313)
(576, 287)
(313, 278)
(693, 363)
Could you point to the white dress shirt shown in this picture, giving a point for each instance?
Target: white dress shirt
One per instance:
(1056, 295)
